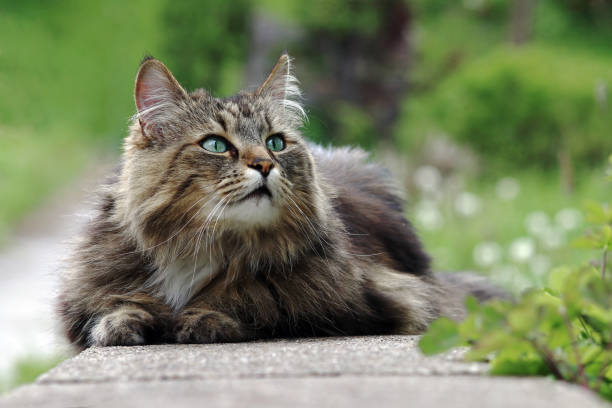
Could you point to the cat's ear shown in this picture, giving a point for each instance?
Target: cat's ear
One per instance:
(157, 94)
(282, 87)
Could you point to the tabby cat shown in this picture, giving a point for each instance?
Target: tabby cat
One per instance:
(224, 224)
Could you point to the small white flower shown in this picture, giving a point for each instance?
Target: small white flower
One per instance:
(522, 249)
(428, 215)
(507, 188)
(553, 237)
(487, 253)
(467, 204)
(427, 178)
(569, 218)
(454, 183)
(537, 222)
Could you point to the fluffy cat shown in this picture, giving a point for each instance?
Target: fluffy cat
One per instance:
(224, 224)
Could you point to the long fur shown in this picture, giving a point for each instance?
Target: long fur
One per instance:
(180, 250)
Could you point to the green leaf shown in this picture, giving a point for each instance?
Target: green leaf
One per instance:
(557, 278)
(441, 336)
(606, 391)
(491, 342)
(591, 353)
(522, 319)
(587, 242)
(597, 213)
(471, 304)
(518, 362)
(596, 291)
(599, 320)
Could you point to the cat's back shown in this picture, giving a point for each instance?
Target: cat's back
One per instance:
(350, 168)
(369, 204)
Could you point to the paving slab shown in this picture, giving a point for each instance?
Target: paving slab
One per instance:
(355, 372)
(375, 355)
(344, 391)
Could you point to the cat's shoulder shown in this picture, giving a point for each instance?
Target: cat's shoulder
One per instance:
(353, 168)
(349, 162)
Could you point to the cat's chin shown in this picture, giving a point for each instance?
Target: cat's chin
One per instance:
(256, 211)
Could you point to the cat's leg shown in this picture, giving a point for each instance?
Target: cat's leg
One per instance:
(199, 323)
(124, 326)
(129, 320)
(410, 303)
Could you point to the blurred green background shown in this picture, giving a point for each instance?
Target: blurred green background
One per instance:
(495, 115)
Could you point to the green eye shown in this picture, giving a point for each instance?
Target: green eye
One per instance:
(275, 143)
(215, 144)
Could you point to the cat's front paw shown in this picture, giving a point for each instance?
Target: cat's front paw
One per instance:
(206, 326)
(125, 326)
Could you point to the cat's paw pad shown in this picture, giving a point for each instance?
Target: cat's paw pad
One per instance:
(205, 326)
(123, 327)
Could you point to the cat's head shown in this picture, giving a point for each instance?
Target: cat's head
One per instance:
(194, 163)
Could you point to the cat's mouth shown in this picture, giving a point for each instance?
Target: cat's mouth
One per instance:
(257, 194)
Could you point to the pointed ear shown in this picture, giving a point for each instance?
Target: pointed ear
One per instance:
(282, 87)
(157, 95)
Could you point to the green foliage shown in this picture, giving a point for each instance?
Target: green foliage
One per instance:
(340, 17)
(355, 127)
(66, 78)
(454, 243)
(29, 168)
(575, 23)
(206, 42)
(72, 63)
(475, 9)
(521, 107)
(564, 330)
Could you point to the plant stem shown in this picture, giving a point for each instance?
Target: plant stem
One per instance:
(605, 365)
(579, 376)
(603, 263)
(549, 359)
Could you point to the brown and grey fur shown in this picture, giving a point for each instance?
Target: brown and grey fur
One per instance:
(174, 256)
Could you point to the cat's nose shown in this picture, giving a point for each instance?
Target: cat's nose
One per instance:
(261, 164)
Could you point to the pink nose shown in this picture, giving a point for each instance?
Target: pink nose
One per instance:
(261, 164)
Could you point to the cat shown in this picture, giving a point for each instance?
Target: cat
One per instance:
(223, 224)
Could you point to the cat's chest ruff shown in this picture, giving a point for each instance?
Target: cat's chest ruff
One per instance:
(178, 282)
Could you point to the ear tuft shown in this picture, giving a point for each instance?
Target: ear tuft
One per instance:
(281, 86)
(156, 93)
(146, 58)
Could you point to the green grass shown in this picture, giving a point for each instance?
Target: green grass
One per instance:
(27, 369)
(66, 78)
(500, 221)
(32, 167)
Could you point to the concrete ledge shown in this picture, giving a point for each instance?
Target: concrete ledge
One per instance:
(335, 372)
(388, 355)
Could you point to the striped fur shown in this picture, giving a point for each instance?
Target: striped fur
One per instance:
(182, 251)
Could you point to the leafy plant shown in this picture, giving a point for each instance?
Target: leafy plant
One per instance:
(522, 107)
(563, 330)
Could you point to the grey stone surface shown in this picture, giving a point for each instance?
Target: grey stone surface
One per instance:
(376, 355)
(356, 372)
(343, 391)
